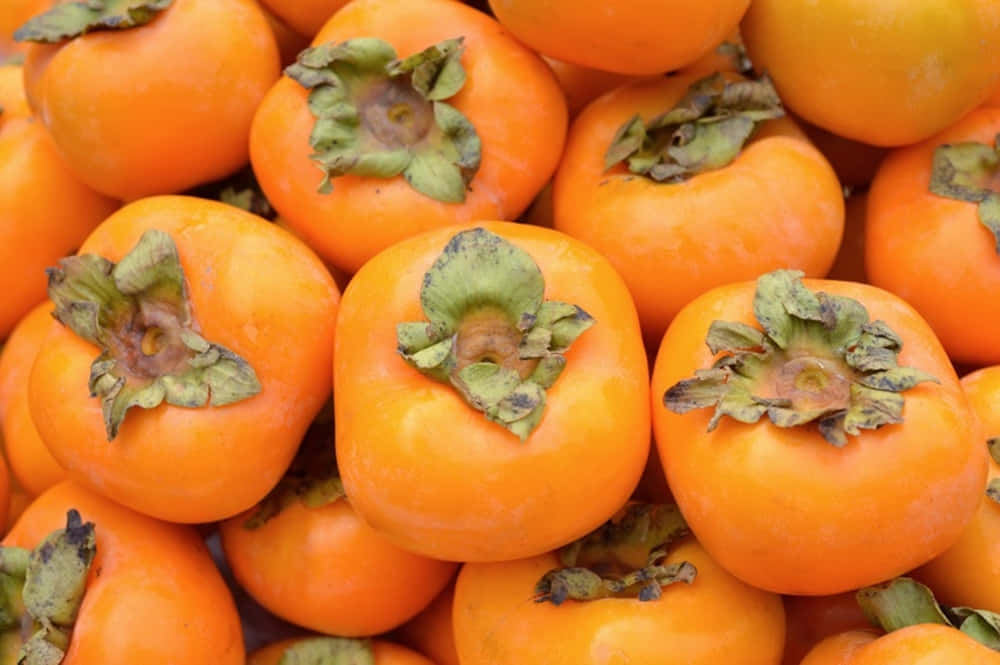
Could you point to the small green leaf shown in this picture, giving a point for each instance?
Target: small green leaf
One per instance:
(705, 389)
(966, 172)
(329, 651)
(72, 19)
(436, 72)
(437, 176)
(993, 445)
(733, 336)
(981, 625)
(993, 490)
(896, 379)
(628, 140)
(900, 603)
(989, 215)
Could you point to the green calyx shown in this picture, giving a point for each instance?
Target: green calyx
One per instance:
(905, 602)
(489, 332)
(378, 116)
(138, 313)
(968, 172)
(621, 559)
(329, 651)
(705, 131)
(819, 358)
(993, 489)
(312, 478)
(72, 19)
(240, 190)
(737, 54)
(41, 591)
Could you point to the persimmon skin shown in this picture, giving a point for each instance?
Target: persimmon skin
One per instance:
(153, 593)
(865, 71)
(510, 96)
(13, 14)
(200, 465)
(582, 85)
(811, 619)
(154, 127)
(12, 98)
(926, 644)
(306, 17)
(774, 505)
(325, 569)
(777, 205)
(386, 653)
(432, 632)
(430, 472)
(838, 649)
(909, 230)
(636, 37)
(47, 212)
(715, 619)
(968, 573)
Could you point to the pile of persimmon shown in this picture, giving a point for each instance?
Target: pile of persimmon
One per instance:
(499, 332)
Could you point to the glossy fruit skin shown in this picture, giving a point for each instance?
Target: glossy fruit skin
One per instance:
(891, 499)
(430, 472)
(839, 649)
(386, 653)
(926, 644)
(968, 573)
(201, 465)
(153, 594)
(325, 569)
(154, 127)
(582, 85)
(432, 632)
(777, 205)
(30, 461)
(510, 96)
(637, 37)
(838, 64)
(47, 212)
(304, 16)
(811, 619)
(12, 98)
(910, 230)
(13, 14)
(715, 619)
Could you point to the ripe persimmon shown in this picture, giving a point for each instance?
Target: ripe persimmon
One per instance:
(188, 77)
(13, 102)
(395, 155)
(811, 619)
(936, 206)
(676, 221)
(888, 479)
(133, 589)
(185, 316)
(432, 632)
(13, 14)
(635, 37)
(323, 650)
(485, 377)
(582, 85)
(884, 73)
(306, 17)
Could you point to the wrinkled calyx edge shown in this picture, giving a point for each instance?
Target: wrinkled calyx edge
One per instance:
(489, 331)
(329, 651)
(72, 19)
(704, 131)
(905, 602)
(380, 116)
(592, 568)
(993, 488)
(841, 367)
(137, 312)
(43, 589)
(967, 171)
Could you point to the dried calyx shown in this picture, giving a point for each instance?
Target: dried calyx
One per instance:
(72, 19)
(137, 312)
(380, 116)
(905, 602)
(818, 358)
(624, 558)
(704, 131)
(993, 488)
(329, 651)
(490, 333)
(41, 591)
(968, 171)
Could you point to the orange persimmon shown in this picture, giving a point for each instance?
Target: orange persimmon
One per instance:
(454, 441)
(926, 644)
(432, 632)
(838, 649)
(306, 17)
(13, 14)
(177, 110)
(582, 85)
(327, 649)
(811, 619)
(840, 440)
(13, 102)
(954, 234)
(196, 301)
(479, 143)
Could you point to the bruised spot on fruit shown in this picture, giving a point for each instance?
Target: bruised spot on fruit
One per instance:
(969, 171)
(72, 19)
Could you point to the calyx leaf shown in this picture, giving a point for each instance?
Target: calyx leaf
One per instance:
(380, 116)
(993, 489)
(72, 19)
(965, 172)
(138, 313)
(818, 358)
(704, 131)
(329, 651)
(602, 564)
(489, 332)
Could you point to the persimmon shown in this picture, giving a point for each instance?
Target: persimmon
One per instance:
(636, 37)
(304, 16)
(432, 631)
(712, 210)
(13, 14)
(869, 462)
(108, 586)
(838, 649)
(47, 212)
(636, 591)
(937, 204)
(485, 377)
(884, 73)
(729, 56)
(30, 461)
(811, 619)
(188, 77)
(13, 102)
(323, 650)
(582, 85)
(849, 265)
(479, 144)
(169, 383)
(855, 163)
(290, 43)
(305, 555)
